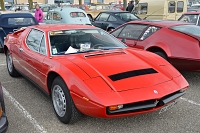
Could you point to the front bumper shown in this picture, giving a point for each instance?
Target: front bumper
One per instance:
(3, 123)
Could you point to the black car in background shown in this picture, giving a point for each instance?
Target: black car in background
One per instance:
(109, 20)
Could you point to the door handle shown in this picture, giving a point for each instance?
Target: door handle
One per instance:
(135, 43)
(20, 49)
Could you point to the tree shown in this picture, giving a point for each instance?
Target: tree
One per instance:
(30, 4)
(125, 4)
(2, 5)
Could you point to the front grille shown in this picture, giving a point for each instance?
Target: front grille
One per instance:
(146, 105)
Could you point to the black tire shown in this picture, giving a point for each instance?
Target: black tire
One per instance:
(61, 96)
(11, 68)
(110, 29)
(3, 106)
(1, 50)
(163, 55)
(1, 47)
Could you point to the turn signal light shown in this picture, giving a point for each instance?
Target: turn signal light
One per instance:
(86, 99)
(115, 107)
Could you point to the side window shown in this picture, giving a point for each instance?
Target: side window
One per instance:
(180, 5)
(33, 40)
(56, 16)
(142, 8)
(116, 32)
(97, 18)
(132, 31)
(49, 16)
(43, 46)
(104, 17)
(112, 19)
(171, 7)
(45, 9)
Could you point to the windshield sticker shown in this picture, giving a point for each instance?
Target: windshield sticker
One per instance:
(56, 32)
(85, 46)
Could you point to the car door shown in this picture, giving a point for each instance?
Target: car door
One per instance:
(34, 51)
(112, 23)
(131, 34)
(101, 21)
(175, 9)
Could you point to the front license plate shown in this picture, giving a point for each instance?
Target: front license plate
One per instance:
(167, 107)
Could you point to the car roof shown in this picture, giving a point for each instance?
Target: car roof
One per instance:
(15, 15)
(54, 27)
(160, 23)
(192, 12)
(114, 11)
(5, 17)
(67, 9)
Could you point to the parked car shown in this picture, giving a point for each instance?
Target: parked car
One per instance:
(77, 65)
(3, 117)
(12, 21)
(109, 20)
(19, 8)
(94, 10)
(67, 15)
(175, 41)
(191, 17)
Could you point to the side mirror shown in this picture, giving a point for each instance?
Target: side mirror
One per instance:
(124, 40)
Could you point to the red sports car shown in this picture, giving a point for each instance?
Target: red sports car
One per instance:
(87, 71)
(175, 41)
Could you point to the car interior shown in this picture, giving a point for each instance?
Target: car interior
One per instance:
(61, 43)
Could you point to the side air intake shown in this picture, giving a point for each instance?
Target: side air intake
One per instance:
(133, 73)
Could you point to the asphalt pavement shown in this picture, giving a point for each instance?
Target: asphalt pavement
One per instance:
(30, 111)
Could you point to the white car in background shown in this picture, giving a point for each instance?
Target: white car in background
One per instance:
(67, 15)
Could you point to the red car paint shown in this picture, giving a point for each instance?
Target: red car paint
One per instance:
(87, 76)
(181, 49)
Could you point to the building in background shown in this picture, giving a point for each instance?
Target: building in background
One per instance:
(63, 1)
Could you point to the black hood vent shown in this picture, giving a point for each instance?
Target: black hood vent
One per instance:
(133, 73)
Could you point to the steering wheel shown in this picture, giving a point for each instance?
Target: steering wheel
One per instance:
(96, 46)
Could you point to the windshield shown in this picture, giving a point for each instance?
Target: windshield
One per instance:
(126, 16)
(83, 40)
(189, 18)
(188, 29)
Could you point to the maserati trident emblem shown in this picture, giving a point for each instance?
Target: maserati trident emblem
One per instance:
(155, 91)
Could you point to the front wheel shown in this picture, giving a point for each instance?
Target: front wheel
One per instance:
(163, 55)
(11, 68)
(62, 102)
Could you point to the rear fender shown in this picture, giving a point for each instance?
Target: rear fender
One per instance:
(159, 45)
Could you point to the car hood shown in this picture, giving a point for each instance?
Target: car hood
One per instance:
(121, 70)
